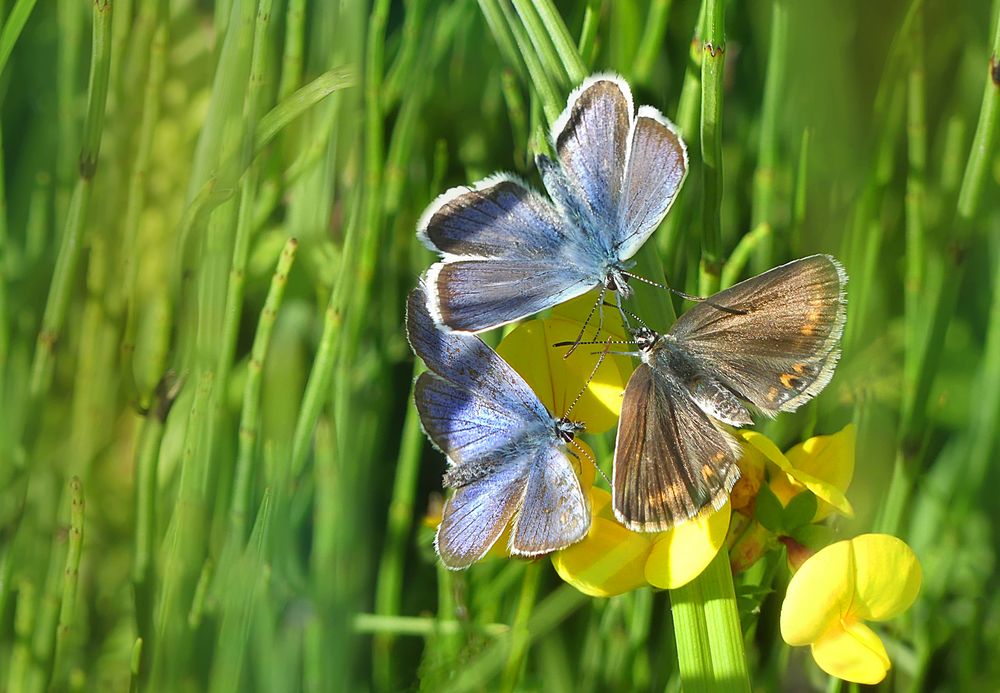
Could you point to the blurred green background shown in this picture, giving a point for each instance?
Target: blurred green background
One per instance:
(211, 476)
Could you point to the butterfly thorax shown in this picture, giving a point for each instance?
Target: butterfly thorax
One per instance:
(668, 357)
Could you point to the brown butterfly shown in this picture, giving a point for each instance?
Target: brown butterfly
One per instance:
(771, 341)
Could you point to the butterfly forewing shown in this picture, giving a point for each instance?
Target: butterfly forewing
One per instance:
(671, 461)
(464, 425)
(507, 254)
(469, 364)
(780, 349)
(591, 142)
(474, 295)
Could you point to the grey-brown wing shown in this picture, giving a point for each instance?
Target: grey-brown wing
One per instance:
(781, 350)
(671, 461)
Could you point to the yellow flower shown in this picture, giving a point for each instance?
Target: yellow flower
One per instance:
(873, 577)
(821, 464)
(612, 559)
(557, 380)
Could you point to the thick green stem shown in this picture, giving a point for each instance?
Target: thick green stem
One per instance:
(708, 633)
(764, 189)
(712, 66)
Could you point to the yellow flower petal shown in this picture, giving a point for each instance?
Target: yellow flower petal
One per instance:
(818, 595)
(557, 380)
(824, 490)
(830, 458)
(682, 553)
(887, 577)
(853, 652)
(610, 558)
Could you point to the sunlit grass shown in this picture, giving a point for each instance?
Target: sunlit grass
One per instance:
(211, 474)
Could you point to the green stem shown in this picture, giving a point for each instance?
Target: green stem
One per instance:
(651, 42)
(520, 635)
(558, 36)
(71, 578)
(588, 34)
(743, 251)
(291, 58)
(136, 194)
(767, 154)
(71, 248)
(250, 414)
(388, 587)
(707, 630)
(501, 32)
(552, 104)
(712, 66)
(688, 112)
(12, 28)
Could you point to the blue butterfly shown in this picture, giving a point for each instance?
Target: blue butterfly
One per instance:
(506, 453)
(508, 252)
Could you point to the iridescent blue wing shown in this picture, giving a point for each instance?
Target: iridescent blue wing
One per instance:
(656, 167)
(590, 139)
(620, 172)
(471, 366)
(465, 425)
(477, 513)
(506, 254)
(476, 295)
(555, 512)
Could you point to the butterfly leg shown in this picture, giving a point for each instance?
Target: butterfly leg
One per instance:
(590, 315)
(624, 313)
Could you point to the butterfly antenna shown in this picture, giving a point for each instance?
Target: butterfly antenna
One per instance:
(685, 296)
(610, 341)
(576, 342)
(591, 458)
(593, 373)
(629, 313)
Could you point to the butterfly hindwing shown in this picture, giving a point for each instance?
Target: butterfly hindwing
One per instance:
(656, 168)
(507, 253)
(555, 511)
(477, 513)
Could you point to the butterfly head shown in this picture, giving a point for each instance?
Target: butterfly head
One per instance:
(644, 338)
(566, 430)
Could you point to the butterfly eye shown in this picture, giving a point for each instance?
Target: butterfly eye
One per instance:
(616, 280)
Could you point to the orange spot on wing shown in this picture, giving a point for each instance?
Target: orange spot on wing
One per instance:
(788, 380)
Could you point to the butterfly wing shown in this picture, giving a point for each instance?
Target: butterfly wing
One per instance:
(507, 253)
(555, 512)
(477, 513)
(656, 168)
(671, 461)
(591, 139)
(472, 368)
(465, 425)
(782, 349)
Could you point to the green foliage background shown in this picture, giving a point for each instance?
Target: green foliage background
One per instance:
(211, 476)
